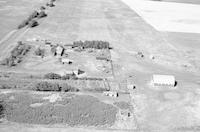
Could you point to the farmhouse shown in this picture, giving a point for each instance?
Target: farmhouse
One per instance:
(163, 80)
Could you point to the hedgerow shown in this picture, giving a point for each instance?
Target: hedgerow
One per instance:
(17, 54)
(91, 44)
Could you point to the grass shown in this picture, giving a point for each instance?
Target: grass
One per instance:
(73, 110)
(123, 105)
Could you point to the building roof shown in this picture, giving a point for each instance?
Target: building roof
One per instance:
(65, 60)
(164, 79)
(59, 49)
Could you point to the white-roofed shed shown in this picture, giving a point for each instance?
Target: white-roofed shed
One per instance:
(163, 80)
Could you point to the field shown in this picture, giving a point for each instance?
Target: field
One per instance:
(144, 39)
(69, 109)
(184, 1)
(12, 13)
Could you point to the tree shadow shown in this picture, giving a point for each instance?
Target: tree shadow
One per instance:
(1, 110)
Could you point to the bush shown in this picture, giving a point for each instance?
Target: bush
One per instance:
(1, 109)
(33, 15)
(42, 14)
(5, 86)
(42, 8)
(16, 54)
(45, 86)
(68, 88)
(23, 24)
(8, 62)
(33, 23)
(40, 52)
(29, 20)
(68, 76)
(51, 4)
(52, 76)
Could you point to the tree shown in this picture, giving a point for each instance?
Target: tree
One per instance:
(68, 88)
(46, 86)
(40, 52)
(33, 23)
(51, 4)
(42, 14)
(1, 109)
(33, 15)
(23, 24)
(42, 8)
(52, 76)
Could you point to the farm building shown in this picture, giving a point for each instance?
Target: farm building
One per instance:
(110, 93)
(59, 50)
(66, 61)
(131, 83)
(163, 80)
(79, 73)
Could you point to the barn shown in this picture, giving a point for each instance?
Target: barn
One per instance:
(163, 80)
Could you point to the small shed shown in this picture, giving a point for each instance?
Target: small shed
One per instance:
(59, 50)
(66, 61)
(131, 83)
(163, 80)
(111, 94)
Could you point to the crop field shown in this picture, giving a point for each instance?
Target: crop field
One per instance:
(87, 65)
(184, 1)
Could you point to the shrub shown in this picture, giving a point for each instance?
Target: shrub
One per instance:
(51, 4)
(68, 88)
(33, 15)
(16, 54)
(20, 49)
(42, 8)
(8, 62)
(5, 86)
(1, 109)
(42, 14)
(68, 76)
(33, 23)
(52, 76)
(46, 86)
(23, 24)
(40, 52)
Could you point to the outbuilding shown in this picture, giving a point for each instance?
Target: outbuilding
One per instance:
(59, 50)
(111, 94)
(163, 80)
(66, 61)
